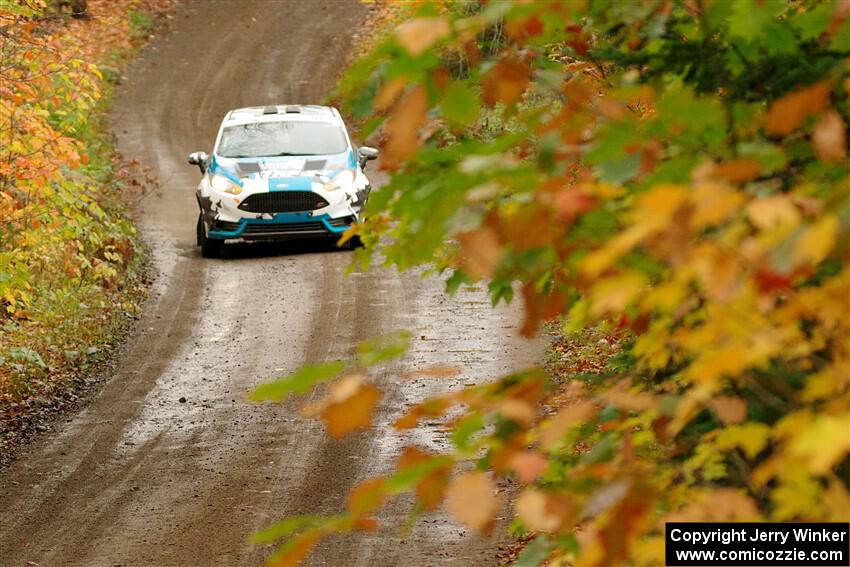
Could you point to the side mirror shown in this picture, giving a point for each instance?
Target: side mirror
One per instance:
(365, 153)
(200, 159)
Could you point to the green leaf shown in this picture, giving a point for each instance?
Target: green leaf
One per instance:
(408, 477)
(464, 430)
(383, 348)
(750, 17)
(534, 553)
(811, 24)
(299, 382)
(460, 104)
(24, 354)
(285, 527)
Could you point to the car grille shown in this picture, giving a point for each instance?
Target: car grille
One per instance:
(283, 202)
(288, 229)
(225, 225)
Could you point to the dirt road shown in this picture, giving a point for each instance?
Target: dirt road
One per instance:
(141, 478)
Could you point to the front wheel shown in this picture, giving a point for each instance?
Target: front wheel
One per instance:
(354, 242)
(210, 247)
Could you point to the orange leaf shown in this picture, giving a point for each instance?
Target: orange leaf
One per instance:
(367, 496)
(418, 34)
(539, 307)
(788, 113)
(296, 550)
(730, 410)
(563, 421)
(572, 202)
(432, 488)
(830, 137)
(471, 499)
(737, 170)
(506, 81)
(479, 252)
(348, 406)
(389, 93)
(528, 465)
(403, 127)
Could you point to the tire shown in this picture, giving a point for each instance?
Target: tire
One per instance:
(210, 247)
(354, 242)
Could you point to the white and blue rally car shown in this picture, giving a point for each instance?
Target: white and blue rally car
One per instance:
(277, 173)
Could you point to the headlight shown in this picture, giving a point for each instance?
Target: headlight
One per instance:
(221, 183)
(342, 179)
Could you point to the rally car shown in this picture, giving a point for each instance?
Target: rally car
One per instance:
(277, 173)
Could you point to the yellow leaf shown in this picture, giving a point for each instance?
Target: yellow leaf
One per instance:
(771, 212)
(471, 499)
(418, 34)
(823, 443)
(713, 204)
(614, 294)
(532, 510)
(750, 437)
(817, 241)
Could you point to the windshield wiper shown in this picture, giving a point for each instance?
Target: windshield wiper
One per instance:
(290, 154)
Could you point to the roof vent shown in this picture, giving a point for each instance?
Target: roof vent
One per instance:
(293, 109)
(270, 110)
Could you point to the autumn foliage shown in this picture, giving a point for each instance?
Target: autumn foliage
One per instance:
(66, 244)
(674, 173)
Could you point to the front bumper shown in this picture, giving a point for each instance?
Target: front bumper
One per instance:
(282, 226)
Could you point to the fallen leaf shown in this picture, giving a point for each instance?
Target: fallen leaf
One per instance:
(436, 371)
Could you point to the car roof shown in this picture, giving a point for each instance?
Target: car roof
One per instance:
(282, 112)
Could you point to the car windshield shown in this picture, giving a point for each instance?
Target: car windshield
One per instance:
(278, 138)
